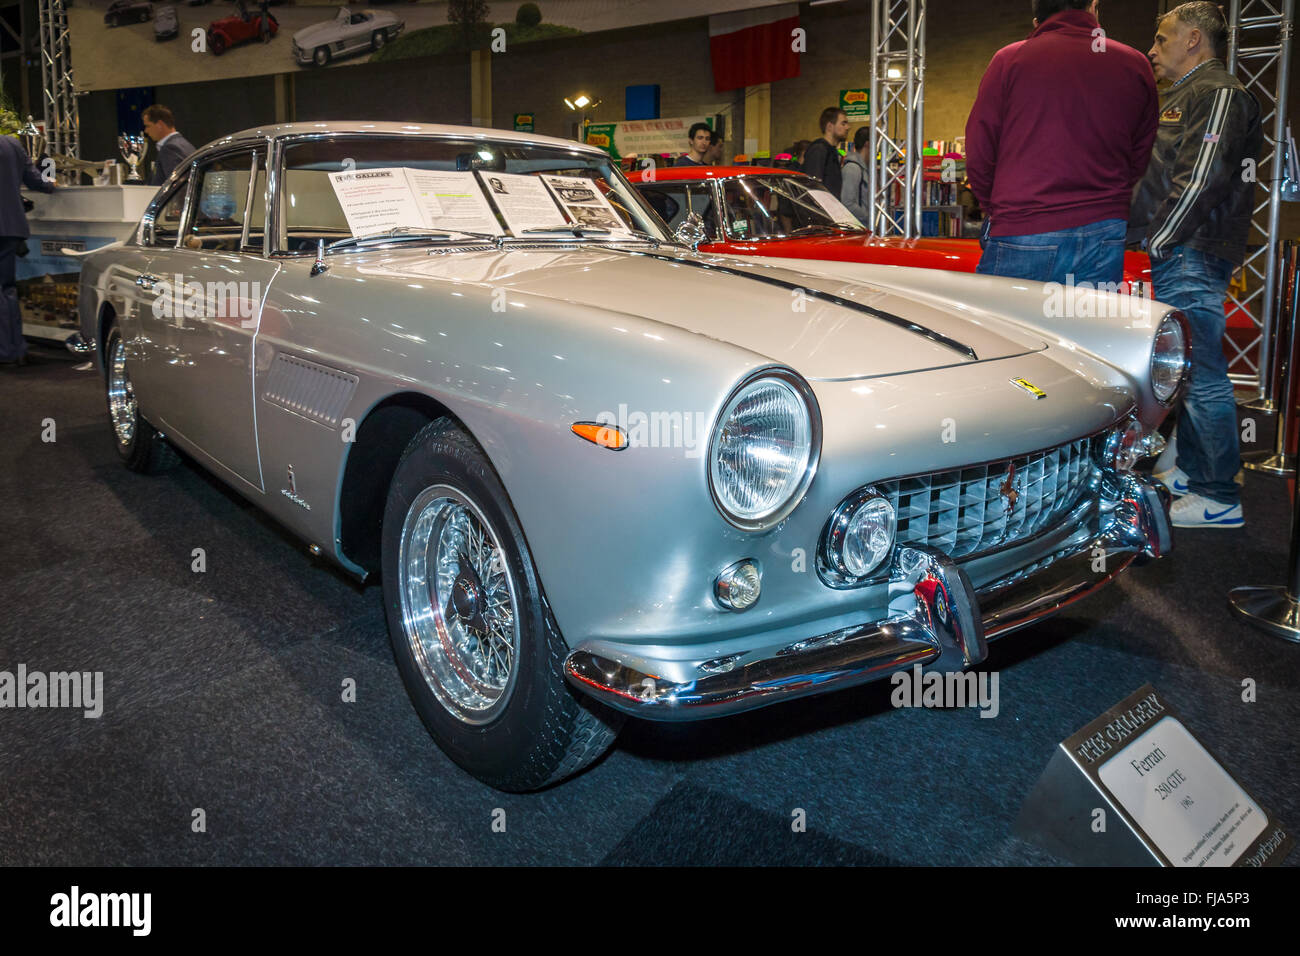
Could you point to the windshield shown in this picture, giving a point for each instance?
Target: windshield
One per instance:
(776, 207)
(350, 187)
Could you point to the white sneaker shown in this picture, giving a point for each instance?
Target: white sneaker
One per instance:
(1176, 479)
(1195, 511)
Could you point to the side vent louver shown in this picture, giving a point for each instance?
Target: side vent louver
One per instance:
(313, 391)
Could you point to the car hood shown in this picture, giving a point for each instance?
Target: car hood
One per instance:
(824, 328)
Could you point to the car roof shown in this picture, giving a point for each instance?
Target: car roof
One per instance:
(279, 130)
(700, 173)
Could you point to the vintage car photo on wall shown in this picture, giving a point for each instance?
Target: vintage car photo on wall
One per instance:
(583, 461)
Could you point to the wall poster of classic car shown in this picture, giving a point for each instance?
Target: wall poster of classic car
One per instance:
(104, 60)
(443, 356)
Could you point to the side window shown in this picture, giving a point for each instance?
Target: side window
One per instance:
(662, 200)
(167, 223)
(220, 203)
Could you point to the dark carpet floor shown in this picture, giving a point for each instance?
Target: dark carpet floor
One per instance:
(223, 694)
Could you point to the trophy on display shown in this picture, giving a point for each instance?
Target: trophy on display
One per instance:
(132, 147)
(33, 139)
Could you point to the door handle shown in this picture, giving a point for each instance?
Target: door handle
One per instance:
(145, 280)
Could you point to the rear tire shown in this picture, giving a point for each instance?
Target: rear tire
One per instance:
(138, 443)
(475, 642)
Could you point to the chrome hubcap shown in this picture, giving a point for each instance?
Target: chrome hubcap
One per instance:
(121, 395)
(458, 604)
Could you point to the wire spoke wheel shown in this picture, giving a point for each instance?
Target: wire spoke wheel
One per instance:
(121, 394)
(459, 604)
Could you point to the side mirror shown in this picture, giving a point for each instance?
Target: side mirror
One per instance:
(691, 231)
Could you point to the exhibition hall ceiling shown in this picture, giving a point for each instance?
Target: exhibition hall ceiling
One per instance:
(128, 43)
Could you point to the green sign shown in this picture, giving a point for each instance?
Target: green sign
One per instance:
(523, 122)
(856, 103)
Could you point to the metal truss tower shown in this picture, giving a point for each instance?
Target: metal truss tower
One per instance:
(896, 175)
(61, 124)
(1259, 54)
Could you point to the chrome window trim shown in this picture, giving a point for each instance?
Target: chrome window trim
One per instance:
(293, 139)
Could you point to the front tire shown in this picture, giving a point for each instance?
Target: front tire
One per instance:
(321, 57)
(475, 642)
(216, 43)
(138, 443)
(377, 40)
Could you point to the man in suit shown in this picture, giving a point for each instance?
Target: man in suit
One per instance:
(16, 170)
(160, 126)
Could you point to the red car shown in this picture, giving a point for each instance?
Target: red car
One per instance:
(244, 27)
(779, 212)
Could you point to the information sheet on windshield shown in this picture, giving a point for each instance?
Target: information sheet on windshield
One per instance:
(584, 203)
(376, 201)
(524, 201)
(834, 208)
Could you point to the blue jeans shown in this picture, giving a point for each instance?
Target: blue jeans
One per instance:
(1208, 449)
(1093, 253)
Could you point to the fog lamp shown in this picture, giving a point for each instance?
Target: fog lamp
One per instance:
(859, 537)
(738, 586)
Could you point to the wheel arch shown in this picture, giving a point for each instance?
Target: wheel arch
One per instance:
(368, 469)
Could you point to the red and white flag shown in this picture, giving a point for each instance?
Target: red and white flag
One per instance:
(754, 46)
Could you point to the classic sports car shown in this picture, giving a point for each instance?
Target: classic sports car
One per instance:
(244, 27)
(597, 473)
(349, 32)
(127, 11)
(164, 25)
(755, 211)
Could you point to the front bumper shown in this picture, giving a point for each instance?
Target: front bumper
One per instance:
(935, 618)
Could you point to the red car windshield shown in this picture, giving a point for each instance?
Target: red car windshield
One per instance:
(776, 207)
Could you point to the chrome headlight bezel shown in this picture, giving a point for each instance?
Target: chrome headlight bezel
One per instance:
(813, 421)
(1172, 322)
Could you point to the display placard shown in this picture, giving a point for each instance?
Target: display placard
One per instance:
(1176, 804)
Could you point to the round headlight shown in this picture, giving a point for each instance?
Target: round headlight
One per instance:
(859, 537)
(1170, 358)
(764, 449)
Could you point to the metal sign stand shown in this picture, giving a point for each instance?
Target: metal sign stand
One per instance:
(1281, 462)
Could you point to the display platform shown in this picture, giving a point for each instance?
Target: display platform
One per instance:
(73, 217)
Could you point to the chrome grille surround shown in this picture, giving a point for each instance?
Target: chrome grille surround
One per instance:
(975, 510)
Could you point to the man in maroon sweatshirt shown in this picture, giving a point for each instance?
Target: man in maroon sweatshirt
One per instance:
(1059, 135)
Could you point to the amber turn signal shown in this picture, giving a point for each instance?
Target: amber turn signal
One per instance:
(606, 436)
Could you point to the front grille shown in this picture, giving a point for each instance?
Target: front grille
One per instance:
(972, 510)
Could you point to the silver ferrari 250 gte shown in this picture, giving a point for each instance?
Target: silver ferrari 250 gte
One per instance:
(597, 473)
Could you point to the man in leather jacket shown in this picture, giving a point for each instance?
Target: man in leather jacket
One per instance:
(1192, 213)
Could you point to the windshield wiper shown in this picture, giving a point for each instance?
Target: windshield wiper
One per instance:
(574, 228)
(404, 234)
(580, 231)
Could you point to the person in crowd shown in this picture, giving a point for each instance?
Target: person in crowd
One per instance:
(1192, 213)
(699, 138)
(16, 171)
(160, 126)
(854, 192)
(714, 155)
(1060, 133)
(822, 157)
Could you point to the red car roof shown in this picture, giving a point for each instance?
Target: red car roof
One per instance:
(701, 173)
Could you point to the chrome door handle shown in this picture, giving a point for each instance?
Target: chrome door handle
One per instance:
(145, 281)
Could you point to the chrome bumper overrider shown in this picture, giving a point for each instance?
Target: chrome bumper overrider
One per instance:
(936, 618)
